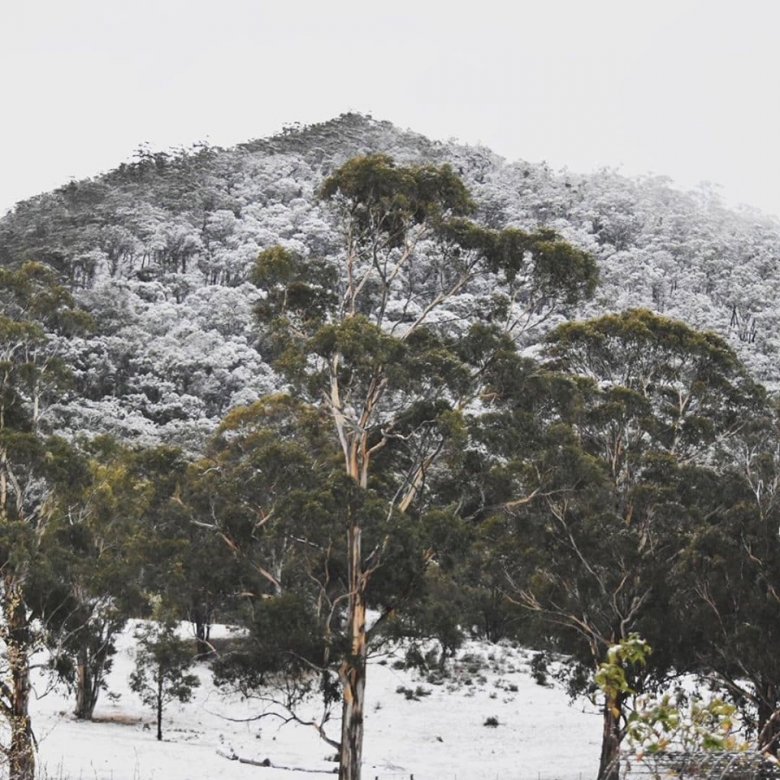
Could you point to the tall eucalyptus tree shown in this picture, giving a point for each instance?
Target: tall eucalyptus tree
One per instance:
(617, 490)
(382, 337)
(36, 472)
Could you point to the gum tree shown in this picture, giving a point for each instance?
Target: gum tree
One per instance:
(621, 484)
(733, 565)
(37, 472)
(96, 555)
(385, 338)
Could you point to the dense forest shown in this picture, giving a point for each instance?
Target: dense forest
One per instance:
(327, 385)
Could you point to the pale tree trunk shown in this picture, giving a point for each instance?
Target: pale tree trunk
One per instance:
(203, 638)
(352, 672)
(84, 685)
(609, 765)
(87, 686)
(21, 753)
(200, 617)
(97, 645)
(353, 668)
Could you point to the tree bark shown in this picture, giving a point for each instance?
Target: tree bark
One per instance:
(159, 704)
(201, 618)
(353, 668)
(86, 696)
(21, 754)
(609, 764)
(91, 661)
(768, 720)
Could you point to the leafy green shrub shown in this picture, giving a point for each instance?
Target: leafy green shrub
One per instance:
(161, 662)
(539, 670)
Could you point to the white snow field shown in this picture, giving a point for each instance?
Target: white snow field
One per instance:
(441, 736)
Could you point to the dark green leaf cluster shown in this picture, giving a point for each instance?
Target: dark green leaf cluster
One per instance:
(678, 386)
(297, 289)
(162, 660)
(384, 200)
(553, 269)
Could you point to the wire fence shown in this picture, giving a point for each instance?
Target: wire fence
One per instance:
(663, 766)
(483, 776)
(708, 765)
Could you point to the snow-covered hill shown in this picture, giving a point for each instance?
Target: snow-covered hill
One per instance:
(159, 250)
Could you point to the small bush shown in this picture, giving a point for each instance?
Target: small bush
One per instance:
(161, 663)
(415, 658)
(539, 669)
(413, 694)
(491, 722)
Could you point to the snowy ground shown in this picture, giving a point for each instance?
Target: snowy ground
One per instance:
(442, 736)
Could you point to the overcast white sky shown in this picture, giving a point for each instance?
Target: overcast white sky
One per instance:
(687, 88)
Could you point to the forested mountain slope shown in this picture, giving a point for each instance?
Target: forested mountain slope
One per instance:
(159, 251)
